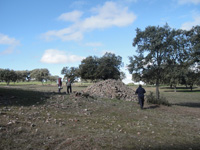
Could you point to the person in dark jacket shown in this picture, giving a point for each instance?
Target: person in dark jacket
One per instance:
(140, 92)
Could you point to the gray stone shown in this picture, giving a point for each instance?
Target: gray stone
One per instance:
(114, 89)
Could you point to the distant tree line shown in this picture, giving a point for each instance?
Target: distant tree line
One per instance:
(166, 56)
(91, 68)
(7, 75)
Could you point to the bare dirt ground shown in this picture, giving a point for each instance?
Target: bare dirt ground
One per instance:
(38, 118)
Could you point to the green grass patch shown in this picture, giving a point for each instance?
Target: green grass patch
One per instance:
(65, 122)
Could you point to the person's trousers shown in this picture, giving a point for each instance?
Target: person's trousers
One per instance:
(59, 88)
(69, 89)
(141, 101)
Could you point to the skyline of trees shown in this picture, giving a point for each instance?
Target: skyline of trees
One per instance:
(164, 56)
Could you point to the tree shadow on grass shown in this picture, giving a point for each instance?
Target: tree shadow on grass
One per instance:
(184, 91)
(193, 91)
(181, 146)
(189, 104)
(20, 97)
(152, 107)
(177, 88)
(180, 89)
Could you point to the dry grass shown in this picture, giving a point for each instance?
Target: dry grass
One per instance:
(44, 120)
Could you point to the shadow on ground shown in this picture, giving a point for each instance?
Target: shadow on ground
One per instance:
(192, 146)
(151, 107)
(193, 91)
(189, 91)
(180, 89)
(21, 97)
(188, 104)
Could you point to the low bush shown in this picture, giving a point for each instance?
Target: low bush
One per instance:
(130, 84)
(153, 100)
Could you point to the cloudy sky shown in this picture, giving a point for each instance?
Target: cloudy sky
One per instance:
(54, 34)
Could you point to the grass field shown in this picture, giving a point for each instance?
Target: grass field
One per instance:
(36, 117)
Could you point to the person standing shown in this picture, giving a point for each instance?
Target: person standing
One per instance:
(140, 92)
(69, 86)
(59, 82)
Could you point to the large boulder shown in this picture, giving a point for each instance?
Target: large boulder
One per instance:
(112, 89)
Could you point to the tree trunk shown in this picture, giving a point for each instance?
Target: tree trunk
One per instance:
(174, 88)
(157, 90)
(191, 87)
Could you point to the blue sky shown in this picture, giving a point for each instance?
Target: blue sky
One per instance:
(54, 34)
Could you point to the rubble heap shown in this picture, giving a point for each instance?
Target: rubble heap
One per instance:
(112, 89)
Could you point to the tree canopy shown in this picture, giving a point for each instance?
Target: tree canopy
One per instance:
(109, 67)
(71, 73)
(105, 67)
(152, 49)
(40, 74)
(88, 68)
(163, 55)
(8, 75)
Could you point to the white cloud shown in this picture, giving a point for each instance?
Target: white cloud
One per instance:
(7, 51)
(67, 34)
(189, 1)
(108, 15)
(71, 16)
(11, 42)
(53, 56)
(128, 78)
(189, 25)
(5, 40)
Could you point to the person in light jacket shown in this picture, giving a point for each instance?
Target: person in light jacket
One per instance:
(69, 86)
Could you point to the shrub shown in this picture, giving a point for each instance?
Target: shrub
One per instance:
(130, 84)
(153, 100)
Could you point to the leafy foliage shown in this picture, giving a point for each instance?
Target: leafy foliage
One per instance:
(106, 67)
(8, 75)
(165, 56)
(71, 73)
(40, 74)
(153, 100)
(152, 48)
(194, 34)
(53, 78)
(88, 68)
(23, 75)
(109, 66)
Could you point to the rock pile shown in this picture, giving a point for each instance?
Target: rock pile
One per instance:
(112, 89)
